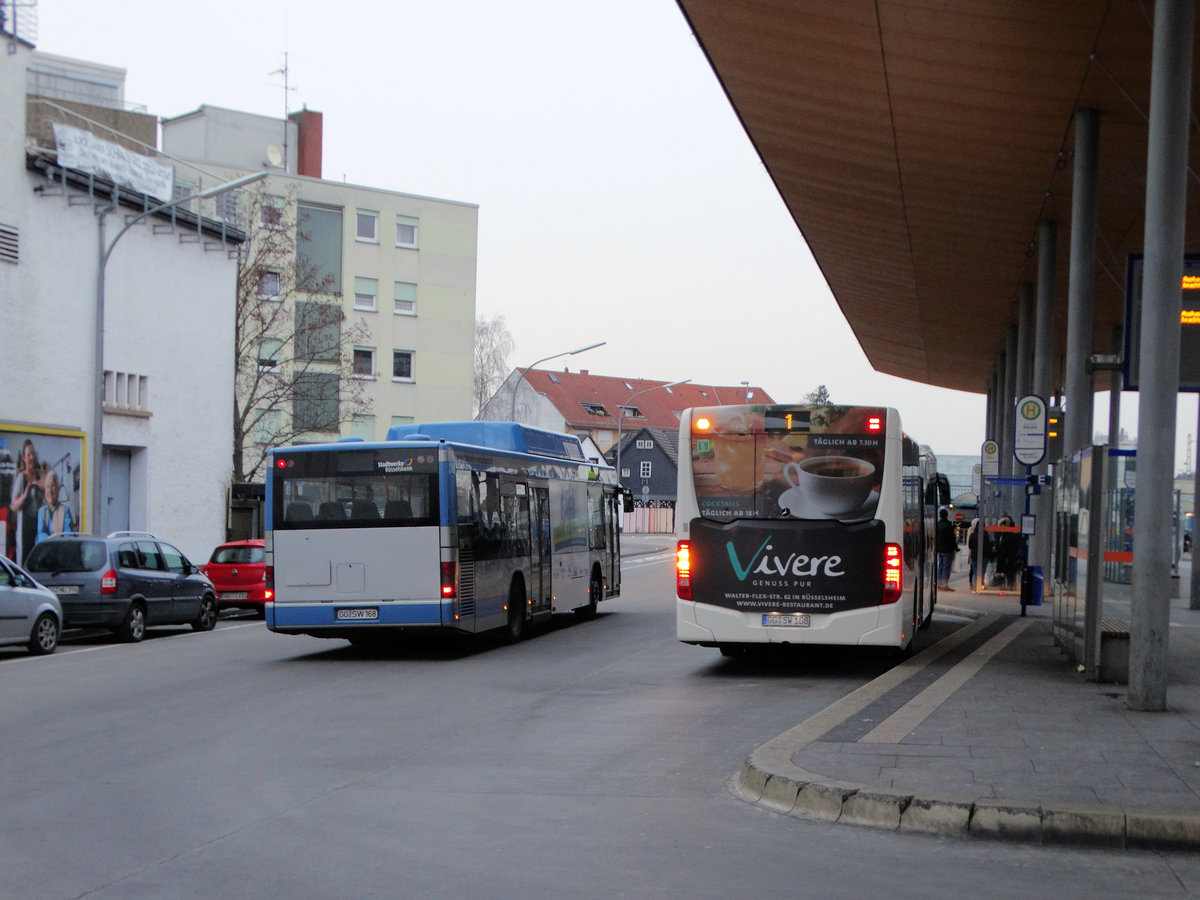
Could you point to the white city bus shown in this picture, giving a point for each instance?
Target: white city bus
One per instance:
(455, 526)
(804, 525)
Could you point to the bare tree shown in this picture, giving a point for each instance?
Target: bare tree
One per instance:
(294, 345)
(493, 344)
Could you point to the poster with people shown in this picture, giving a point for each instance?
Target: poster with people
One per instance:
(41, 485)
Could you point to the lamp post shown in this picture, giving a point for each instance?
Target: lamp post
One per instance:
(621, 415)
(512, 413)
(106, 248)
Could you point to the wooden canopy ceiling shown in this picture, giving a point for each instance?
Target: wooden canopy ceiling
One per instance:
(919, 143)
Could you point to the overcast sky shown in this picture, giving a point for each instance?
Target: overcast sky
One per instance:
(619, 198)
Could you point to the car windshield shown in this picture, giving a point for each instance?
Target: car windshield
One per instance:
(66, 556)
(238, 556)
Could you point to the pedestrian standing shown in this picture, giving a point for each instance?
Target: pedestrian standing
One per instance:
(946, 543)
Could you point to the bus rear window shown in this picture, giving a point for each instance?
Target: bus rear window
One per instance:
(356, 501)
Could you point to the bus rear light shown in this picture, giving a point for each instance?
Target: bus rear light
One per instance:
(683, 571)
(108, 582)
(269, 580)
(268, 595)
(449, 590)
(874, 423)
(893, 563)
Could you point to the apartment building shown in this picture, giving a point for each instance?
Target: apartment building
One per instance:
(401, 266)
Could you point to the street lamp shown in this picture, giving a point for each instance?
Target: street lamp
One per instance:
(621, 414)
(512, 413)
(106, 249)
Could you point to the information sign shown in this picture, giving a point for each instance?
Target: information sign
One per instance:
(1029, 433)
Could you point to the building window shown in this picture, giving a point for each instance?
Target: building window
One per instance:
(595, 409)
(397, 421)
(402, 365)
(367, 228)
(365, 290)
(267, 428)
(319, 249)
(270, 213)
(406, 231)
(268, 285)
(315, 402)
(645, 468)
(318, 331)
(645, 445)
(364, 362)
(632, 412)
(363, 427)
(405, 298)
(624, 473)
(268, 354)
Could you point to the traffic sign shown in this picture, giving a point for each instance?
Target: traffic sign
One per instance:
(1029, 435)
(990, 453)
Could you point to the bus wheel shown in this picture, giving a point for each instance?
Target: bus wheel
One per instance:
(514, 629)
(595, 592)
(732, 649)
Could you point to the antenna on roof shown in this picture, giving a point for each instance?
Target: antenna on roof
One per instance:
(286, 89)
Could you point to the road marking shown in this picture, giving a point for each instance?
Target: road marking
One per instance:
(900, 724)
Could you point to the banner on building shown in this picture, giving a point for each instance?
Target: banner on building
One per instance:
(79, 149)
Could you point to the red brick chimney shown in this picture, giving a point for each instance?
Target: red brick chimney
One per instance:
(308, 136)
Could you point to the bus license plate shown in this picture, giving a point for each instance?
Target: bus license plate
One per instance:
(358, 613)
(788, 621)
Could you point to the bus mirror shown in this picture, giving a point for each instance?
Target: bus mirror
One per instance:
(943, 484)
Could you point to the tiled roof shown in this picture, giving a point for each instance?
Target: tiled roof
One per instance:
(589, 401)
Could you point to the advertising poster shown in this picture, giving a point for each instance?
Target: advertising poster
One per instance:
(41, 485)
(803, 462)
(787, 567)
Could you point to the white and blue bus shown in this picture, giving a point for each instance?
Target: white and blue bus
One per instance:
(464, 527)
(804, 525)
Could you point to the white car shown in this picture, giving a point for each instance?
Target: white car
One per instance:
(29, 613)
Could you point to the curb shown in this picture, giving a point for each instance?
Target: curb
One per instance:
(770, 779)
(824, 800)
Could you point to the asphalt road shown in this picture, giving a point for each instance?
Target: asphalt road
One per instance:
(591, 760)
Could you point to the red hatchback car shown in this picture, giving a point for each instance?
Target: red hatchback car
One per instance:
(236, 570)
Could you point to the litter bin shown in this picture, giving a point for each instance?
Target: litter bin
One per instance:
(1031, 586)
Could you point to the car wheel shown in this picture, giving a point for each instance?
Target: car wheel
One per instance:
(133, 629)
(206, 619)
(44, 637)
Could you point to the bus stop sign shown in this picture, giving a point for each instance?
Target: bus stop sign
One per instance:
(1029, 435)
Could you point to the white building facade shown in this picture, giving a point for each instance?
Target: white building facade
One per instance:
(167, 352)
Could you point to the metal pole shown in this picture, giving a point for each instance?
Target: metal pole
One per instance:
(512, 413)
(1043, 360)
(96, 452)
(1077, 432)
(1008, 402)
(1158, 376)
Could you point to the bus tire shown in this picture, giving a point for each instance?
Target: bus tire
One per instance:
(595, 592)
(732, 650)
(514, 628)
